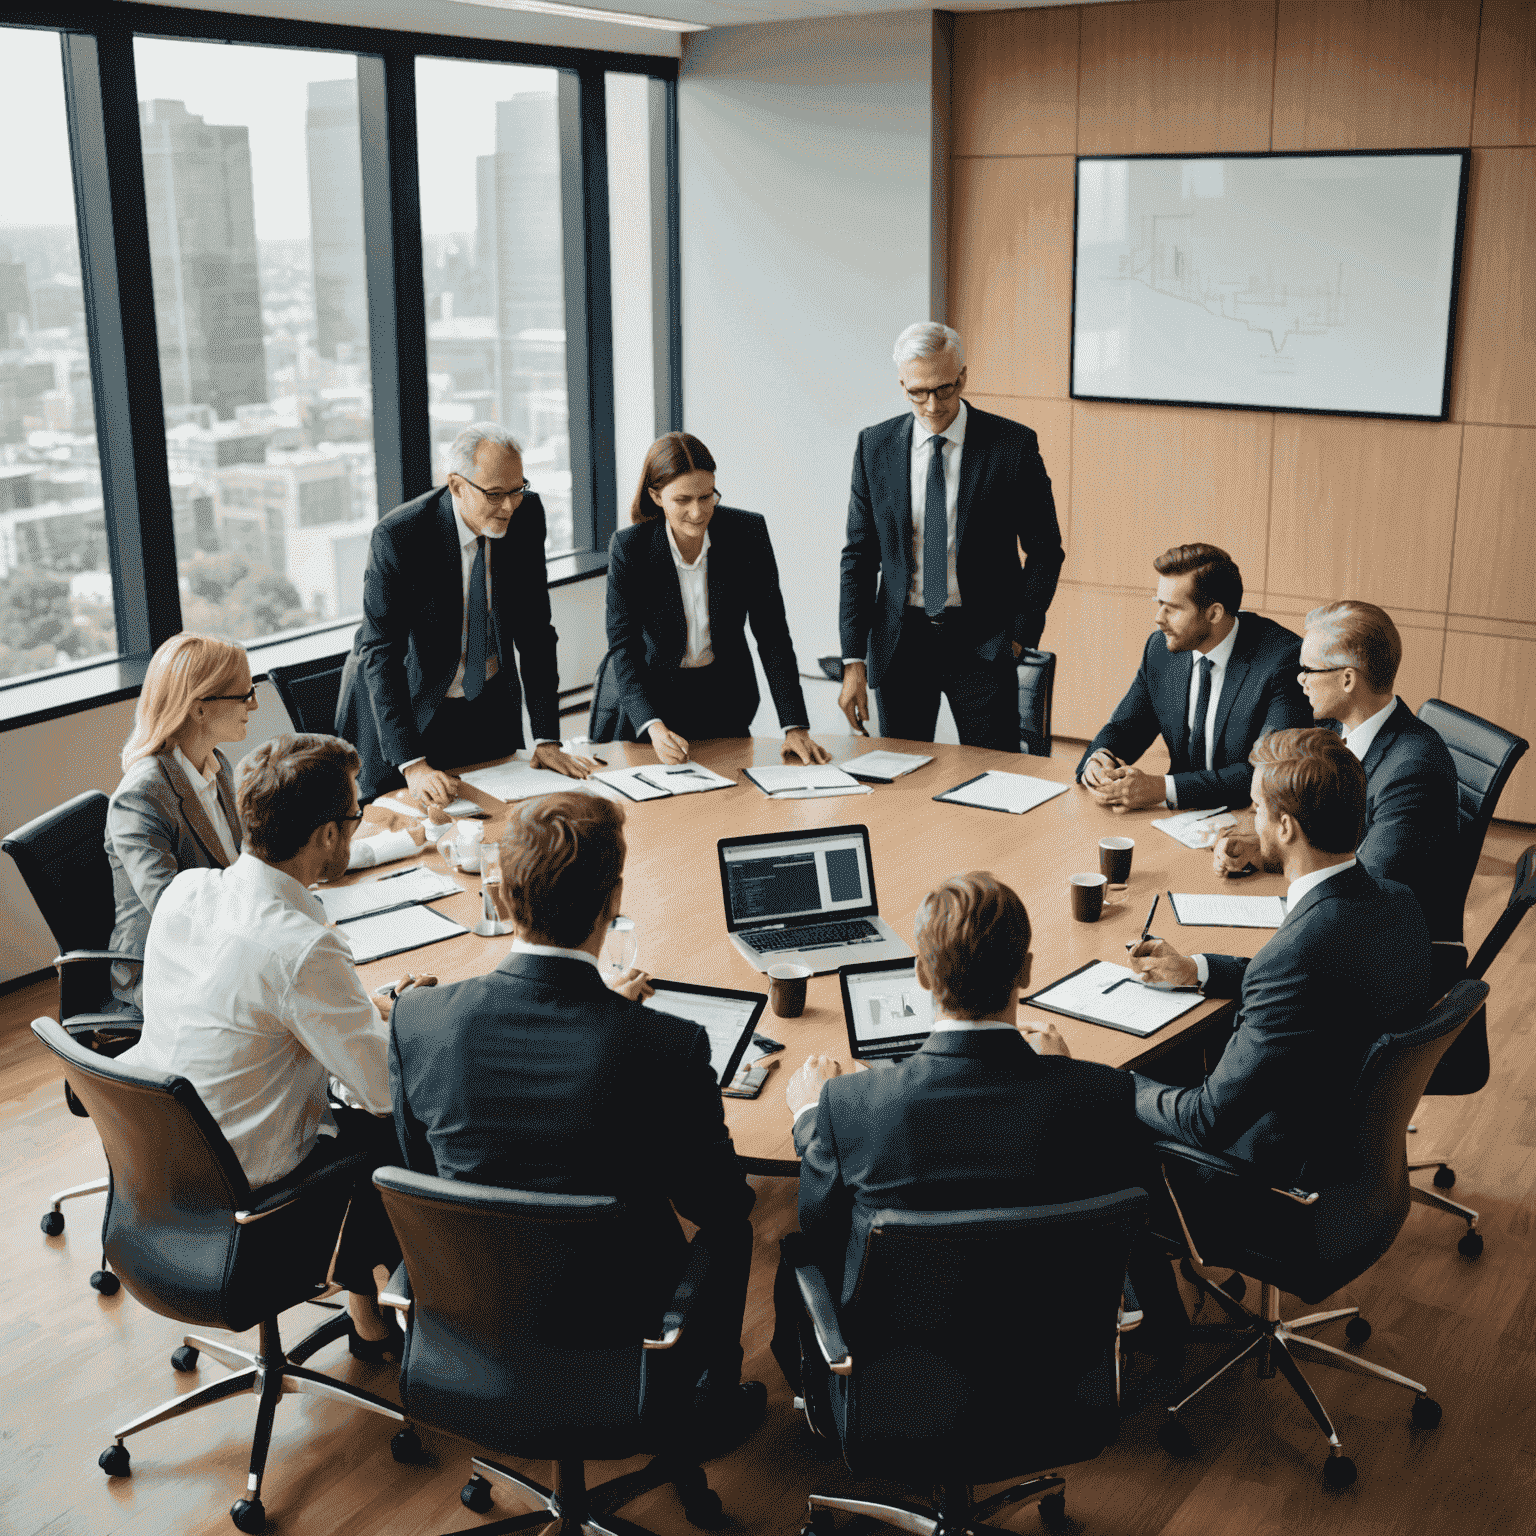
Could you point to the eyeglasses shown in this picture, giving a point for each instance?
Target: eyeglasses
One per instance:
(230, 698)
(516, 494)
(939, 392)
(357, 817)
(1319, 671)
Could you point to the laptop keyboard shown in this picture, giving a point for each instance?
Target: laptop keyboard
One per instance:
(819, 936)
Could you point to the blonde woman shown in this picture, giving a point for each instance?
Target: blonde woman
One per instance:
(174, 808)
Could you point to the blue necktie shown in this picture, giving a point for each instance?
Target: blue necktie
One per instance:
(935, 535)
(1202, 709)
(474, 638)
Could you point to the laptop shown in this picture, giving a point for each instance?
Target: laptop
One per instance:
(888, 1014)
(805, 898)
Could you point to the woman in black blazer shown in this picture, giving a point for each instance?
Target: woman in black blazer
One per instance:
(683, 580)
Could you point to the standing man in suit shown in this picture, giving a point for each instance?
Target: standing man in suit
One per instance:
(1212, 681)
(1349, 660)
(537, 1076)
(933, 598)
(455, 579)
(1349, 963)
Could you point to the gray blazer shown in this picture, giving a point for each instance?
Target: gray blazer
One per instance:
(156, 827)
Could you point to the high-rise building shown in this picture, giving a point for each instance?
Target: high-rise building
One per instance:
(334, 152)
(202, 243)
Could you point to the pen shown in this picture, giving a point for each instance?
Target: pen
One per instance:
(1120, 983)
(1146, 927)
(395, 874)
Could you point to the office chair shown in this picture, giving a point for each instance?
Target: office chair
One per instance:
(62, 856)
(605, 718)
(1037, 685)
(194, 1242)
(555, 1361)
(1311, 1242)
(1485, 756)
(310, 691)
(978, 1345)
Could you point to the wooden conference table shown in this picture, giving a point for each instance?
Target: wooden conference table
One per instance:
(672, 890)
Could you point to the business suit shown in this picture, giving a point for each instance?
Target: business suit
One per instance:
(1349, 963)
(648, 630)
(1259, 694)
(411, 639)
(536, 1076)
(157, 827)
(1004, 501)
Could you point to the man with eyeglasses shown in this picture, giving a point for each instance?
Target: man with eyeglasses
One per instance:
(455, 581)
(933, 597)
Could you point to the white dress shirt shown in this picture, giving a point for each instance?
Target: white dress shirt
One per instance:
(1293, 893)
(256, 1001)
(523, 947)
(693, 580)
(207, 787)
(1360, 740)
(922, 455)
(1219, 657)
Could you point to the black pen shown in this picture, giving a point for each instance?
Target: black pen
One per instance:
(1146, 927)
(395, 874)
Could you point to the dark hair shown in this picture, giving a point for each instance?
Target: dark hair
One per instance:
(1362, 636)
(1217, 578)
(671, 455)
(1309, 775)
(561, 858)
(972, 934)
(291, 785)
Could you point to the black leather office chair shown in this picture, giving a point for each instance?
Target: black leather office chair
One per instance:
(528, 1334)
(62, 857)
(605, 718)
(979, 1345)
(1309, 1243)
(309, 691)
(194, 1242)
(1485, 756)
(1037, 686)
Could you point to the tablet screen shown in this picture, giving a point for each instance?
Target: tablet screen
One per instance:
(727, 1017)
(887, 1011)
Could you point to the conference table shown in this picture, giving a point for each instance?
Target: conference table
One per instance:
(672, 891)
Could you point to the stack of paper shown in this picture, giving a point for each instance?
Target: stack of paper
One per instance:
(392, 933)
(1228, 911)
(996, 791)
(459, 807)
(883, 766)
(346, 902)
(793, 781)
(1196, 829)
(658, 781)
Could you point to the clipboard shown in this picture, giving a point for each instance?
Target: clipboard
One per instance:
(430, 925)
(1039, 1000)
(1048, 790)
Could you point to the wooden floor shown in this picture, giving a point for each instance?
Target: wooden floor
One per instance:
(74, 1365)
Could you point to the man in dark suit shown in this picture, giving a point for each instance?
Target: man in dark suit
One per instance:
(1349, 660)
(1349, 963)
(933, 598)
(455, 579)
(537, 1076)
(1212, 681)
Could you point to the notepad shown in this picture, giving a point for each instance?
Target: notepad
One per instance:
(1228, 911)
(884, 766)
(1114, 996)
(1196, 829)
(996, 791)
(459, 807)
(796, 781)
(347, 902)
(392, 933)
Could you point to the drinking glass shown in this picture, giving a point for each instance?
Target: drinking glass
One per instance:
(621, 948)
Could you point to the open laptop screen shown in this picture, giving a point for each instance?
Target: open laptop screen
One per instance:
(887, 1012)
(780, 877)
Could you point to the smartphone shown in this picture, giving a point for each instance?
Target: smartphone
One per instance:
(746, 1085)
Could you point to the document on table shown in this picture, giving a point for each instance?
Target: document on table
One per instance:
(795, 781)
(1228, 911)
(996, 791)
(884, 766)
(1114, 996)
(347, 902)
(1196, 829)
(392, 933)
(627, 782)
(459, 807)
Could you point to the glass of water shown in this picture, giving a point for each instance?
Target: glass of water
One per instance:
(621, 949)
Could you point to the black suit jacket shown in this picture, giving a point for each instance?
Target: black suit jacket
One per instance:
(973, 1119)
(408, 646)
(1004, 501)
(1259, 694)
(648, 630)
(1349, 963)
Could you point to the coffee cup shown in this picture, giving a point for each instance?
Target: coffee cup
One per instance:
(1115, 858)
(1088, 897)
(786, 989)
(467, 838)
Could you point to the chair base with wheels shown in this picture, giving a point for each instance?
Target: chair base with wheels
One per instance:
(953, 1515)
(1471, 1244)
(102, 1280)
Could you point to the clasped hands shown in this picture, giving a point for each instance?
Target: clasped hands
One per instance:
(1119, 785)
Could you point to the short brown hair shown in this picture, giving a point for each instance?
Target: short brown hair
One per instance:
(1362, 636)
(1309, 775)
(291, 785)
(561, 857)
(1217, 578)
(973, 934)
(671, 455)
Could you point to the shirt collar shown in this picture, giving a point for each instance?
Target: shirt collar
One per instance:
(279, 884)
(953, 433)
(1223, 652)
(200, 780)
(554, 952)
(968, 1026)
(677, 557)
(1299, 887)
(1360, 740)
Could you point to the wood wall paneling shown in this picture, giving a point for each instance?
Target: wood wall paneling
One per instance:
(1418, 678)
(1098, 637)
(1016, 79)
(1010, 292)
(1374, 74)
(1363, 509)
(1051, 422)
(1492, 676)
(1176, 75)
(1504, 111)
(1494, 574)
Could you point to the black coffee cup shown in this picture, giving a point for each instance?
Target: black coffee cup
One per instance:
(1087, 897)
(786, 989)
(1115, 858)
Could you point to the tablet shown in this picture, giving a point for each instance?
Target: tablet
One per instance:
(726, 1016)
(887, 1012)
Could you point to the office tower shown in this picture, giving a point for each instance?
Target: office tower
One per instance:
(202, 242)
(336, 218)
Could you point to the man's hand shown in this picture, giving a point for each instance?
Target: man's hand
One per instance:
(853, 699)
(1157, 960)
(798, 743)
(804, 1086)
(1018, 650)
(431, 786)
(1234, 851)
(1129, 789)
(1045, 1039)
(386, 1002)
(1097, 770)
(550, 755)
(670, 747)
(634, 985)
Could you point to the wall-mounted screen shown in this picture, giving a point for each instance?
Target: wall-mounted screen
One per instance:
(1319, 282)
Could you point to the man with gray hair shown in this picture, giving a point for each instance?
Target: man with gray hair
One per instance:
(455, 580)
(933, 597)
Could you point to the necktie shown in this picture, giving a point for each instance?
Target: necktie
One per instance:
(1202, 709)
(474, 630)
(935, 535)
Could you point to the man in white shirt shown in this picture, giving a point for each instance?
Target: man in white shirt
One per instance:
(254, 998)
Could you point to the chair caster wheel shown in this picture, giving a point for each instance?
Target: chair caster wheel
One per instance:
(1471, 1246)
(52, 1223)
(1174, 1439)
(185, 1358)
(114, 1461)
(704, 1510)
(105, 1283)
(1426, 1413)
(1357, 1330)
(476, 1495)
(1053, 1511)
(1338, 1472)
(248, 1515)
(1445, 1178)
(405, 1446)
